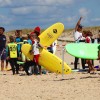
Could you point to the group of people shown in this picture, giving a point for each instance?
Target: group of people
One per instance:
(11, 51)
(86, 37)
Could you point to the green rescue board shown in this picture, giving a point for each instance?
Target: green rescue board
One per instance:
(83, 50)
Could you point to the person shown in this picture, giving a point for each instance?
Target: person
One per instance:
(28, 62)
(92, 41)
(35, 50)
(28, 39)
(95, 39)
(36, 31)
(2, 47)
(18, 38)
(54, 46)
(78, 38)
(13, 55)
(50, 48)
(88, 39)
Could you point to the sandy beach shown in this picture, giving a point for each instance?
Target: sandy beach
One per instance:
(75, 86)
(40, 23)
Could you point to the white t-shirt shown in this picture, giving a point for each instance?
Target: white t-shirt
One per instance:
(54, 46)
(35, 48)
(95, 40)
(78, 36)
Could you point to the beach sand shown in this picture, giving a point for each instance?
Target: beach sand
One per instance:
(75, 86)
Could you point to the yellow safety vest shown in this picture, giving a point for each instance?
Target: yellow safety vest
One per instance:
(13, 50)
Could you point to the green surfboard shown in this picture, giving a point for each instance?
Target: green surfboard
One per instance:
(83, 50)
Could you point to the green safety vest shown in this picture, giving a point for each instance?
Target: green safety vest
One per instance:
(13, 50)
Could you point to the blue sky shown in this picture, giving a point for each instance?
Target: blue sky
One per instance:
(18, 14)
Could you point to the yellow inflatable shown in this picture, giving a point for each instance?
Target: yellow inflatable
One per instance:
(51, 34)
(47, 60)
(50, 61)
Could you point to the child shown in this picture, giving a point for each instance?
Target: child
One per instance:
(28, 39)
(35, 50)
(36, 31)
(18, 39)
(87, 36)
(13, 55)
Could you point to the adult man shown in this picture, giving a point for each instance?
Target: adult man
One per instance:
(78, 38)
(2, 47)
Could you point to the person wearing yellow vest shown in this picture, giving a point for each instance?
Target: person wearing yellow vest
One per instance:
(13, 55)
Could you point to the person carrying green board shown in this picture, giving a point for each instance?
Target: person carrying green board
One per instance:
(78, 38)
(87, 35)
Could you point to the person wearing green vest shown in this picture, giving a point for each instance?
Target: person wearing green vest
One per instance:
(13, 55)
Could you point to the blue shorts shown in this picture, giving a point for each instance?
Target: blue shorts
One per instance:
(3, 55)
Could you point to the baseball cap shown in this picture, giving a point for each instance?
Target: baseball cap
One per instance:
(37, 29)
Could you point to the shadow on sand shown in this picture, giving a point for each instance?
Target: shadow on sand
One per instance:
(64, 79)
(89, 77)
